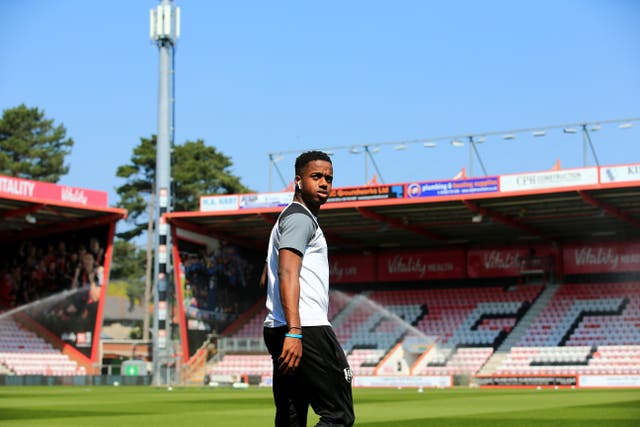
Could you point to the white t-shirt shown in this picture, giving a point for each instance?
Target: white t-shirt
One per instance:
(297, 229)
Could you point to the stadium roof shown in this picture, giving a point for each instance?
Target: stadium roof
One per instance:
(31, 209)
(579, 213)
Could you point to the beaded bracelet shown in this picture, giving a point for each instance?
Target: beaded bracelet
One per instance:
(299, 336)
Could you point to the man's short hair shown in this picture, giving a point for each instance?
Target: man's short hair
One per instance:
(310, 156)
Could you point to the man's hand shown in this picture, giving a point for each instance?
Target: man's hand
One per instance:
(291, 355)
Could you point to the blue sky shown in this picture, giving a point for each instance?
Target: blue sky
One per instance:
(254, 77)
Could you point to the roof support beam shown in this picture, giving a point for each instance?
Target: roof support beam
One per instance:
(399, 224)
(504, 219)
(609, 210)
(189, 226)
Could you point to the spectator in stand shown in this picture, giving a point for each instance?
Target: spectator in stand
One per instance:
(88, 279)
(41, 269)
(50, 255)
(96, 250)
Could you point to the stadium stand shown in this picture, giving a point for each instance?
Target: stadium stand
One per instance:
(24, 353)
(55, 252)
(456, 277)
(462, 300)
(241, 364)
(588, 314)
(466, 324)
(584, 329)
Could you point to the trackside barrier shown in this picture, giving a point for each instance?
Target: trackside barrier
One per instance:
(80, 380)
(526, 381)
(428, 381)
(579, 381)
(623, 381)
(241, 345)
(419, 381)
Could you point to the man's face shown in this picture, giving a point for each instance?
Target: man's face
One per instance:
(315, 182)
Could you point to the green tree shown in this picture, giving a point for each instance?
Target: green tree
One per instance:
(31, 146)
(128, 265)
(196, 169)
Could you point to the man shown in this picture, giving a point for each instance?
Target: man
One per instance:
(309, 365)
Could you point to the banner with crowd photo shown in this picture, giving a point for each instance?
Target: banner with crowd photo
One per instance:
(506, 262)
(422, 265)
(358, 268)
(587, 258)
(62, 284)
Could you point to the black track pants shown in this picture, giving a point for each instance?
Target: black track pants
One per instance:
(323, 380)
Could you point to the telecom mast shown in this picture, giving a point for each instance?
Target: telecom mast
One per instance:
(164, 31)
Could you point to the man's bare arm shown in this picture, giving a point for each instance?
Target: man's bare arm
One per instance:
(263, 277)
(289, 264)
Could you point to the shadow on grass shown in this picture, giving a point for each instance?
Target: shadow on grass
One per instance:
(38, 414)
(496, 422)
(618, 414)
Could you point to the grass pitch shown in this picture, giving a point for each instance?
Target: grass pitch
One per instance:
(158, 407)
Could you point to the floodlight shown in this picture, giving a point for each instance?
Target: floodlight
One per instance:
(375, 149)
(625, 125)
(477, 219)
(480, 139)
(400, 147)
(429, 144)
(595, 127)
(355, 150)
(539, 133)
(508, 136)
(569, 130)
(457, 143)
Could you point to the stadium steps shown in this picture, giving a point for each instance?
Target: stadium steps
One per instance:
(196, 377)
(520, 329)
